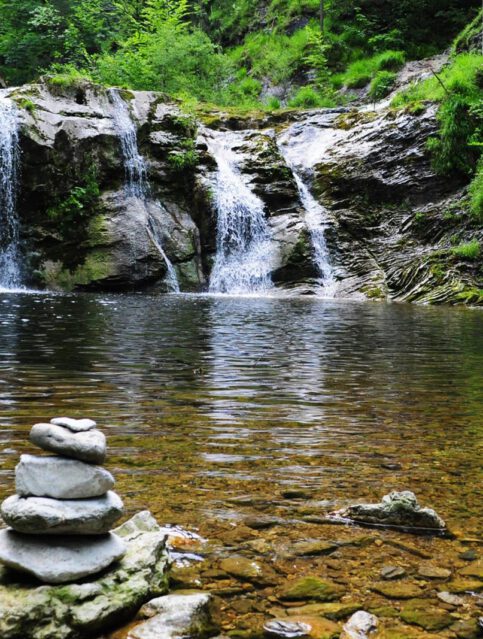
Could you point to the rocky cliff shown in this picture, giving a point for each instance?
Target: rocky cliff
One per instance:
(392, 223)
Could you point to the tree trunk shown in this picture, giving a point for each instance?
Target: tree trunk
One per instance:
(322, 16)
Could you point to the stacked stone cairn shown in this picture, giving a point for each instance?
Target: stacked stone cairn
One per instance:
(64, 508)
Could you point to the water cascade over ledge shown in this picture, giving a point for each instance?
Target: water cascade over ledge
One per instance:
(244, 250)
(136, 180)
(10, 276)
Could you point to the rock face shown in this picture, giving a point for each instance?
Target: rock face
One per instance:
(396, 509)
(60, 478)
(86, 610)
(43, 515)
(87, 446)
(389, 219)
(70, 558)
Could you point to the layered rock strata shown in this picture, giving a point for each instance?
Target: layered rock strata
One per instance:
(61, 516)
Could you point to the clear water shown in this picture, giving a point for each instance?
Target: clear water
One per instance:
(10, 276)
(214, 406)
(137, 184)
(244, 251)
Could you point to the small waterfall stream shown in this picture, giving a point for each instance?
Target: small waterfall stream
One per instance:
(137, 184)
(243, 245)
(10, 277)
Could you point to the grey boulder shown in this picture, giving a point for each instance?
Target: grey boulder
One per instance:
(87, 446)
(76, 425)
(70, 558)
(396, 509)
(60, 478)
(43, 515)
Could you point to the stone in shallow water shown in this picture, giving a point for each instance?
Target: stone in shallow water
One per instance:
(286, 629)
(76, 425)
(311, 589)
(44, 515)
(87, 446)
(359, 626)
(396, 509)
(68, 559)
(60, 478)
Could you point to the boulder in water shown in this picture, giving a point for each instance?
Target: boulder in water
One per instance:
(396, 509)
(44, 515)
(87, 446)
(60, 478)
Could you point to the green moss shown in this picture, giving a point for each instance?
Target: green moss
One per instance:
(431, 619)
(382, 84)
(468, 250)
(476, 193)
(26, 104)
(312, 589)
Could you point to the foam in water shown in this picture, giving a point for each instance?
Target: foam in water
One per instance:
(316, 219)
(9, 223)
(137, 184)
(243, 245)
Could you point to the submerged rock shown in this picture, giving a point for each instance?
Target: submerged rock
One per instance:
(286, 629)
(44, 515)
(60, 478)
(87, 446)
(311, 589)
(84, 611)
(396, 509)
(70, 558)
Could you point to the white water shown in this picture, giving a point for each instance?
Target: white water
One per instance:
(137, 184)
(244, 250)
(316, 216)
(10, 277)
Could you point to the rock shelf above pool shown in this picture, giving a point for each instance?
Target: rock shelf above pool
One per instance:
(64, 508)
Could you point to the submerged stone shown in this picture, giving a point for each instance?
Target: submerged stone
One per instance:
(87, 446)
(70, 558)
(392, 572)
(44, 515)
(311, 588)
(426, 617)
(60, 478)
(34, 611)
(396, 509)
(76, 425)
(286, 629)
(397, 590)
(433, 572)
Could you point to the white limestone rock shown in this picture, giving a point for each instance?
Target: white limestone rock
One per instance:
(360, 625)
(75, 425)
(70, 558)
(89, 446)
(60, 478)
(44, 515)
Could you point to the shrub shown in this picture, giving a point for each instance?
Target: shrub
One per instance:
(382, 84)
(476, 192)
(391, 60)
(467, 250)
(308, 97)
(272, 103)
(361, 72)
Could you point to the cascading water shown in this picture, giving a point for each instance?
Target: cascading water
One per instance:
(243, 245)
(9, 222)
(316, 219)
(137, 184)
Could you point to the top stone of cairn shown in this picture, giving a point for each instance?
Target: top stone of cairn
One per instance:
(75, 425)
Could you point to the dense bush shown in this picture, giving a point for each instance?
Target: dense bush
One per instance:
(381, 85)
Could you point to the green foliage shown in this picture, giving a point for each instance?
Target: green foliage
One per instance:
(381, 85)
(308, 97)
(476, 192)
(467, 250)
(361, 72)
(186, 159)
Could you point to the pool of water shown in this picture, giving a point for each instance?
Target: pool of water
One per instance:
(217, 408)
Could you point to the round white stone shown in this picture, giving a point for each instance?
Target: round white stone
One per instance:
(60, 478)
(76, 425)
(89, 446)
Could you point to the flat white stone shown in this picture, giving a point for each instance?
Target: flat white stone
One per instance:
(89, 446)
(76, 425)
(60, 478)
(43, 515)
(70, 558)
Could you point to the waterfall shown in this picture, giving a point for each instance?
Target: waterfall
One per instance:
(9, 222)
(243, 244)
(136, 183)
(316, 219)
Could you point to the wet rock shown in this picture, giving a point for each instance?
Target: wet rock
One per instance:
(427, 617)
(177, 615)
(311, 589)
(243, 569)
(75, 425)
(433, 572)
(468, 555)
(296, 493)
(392, 572)
(318, 628)
(87, 446)
(60, 478)
(396, 509)
(30, 611)
(460, 586)
(308, 548)
(335, 611)
(448, 598)
(69, 559)
(475, 569)
(397, 590)
(286, 629)
(44, 515)
(261, 523)
(359, 626)
(468, 629)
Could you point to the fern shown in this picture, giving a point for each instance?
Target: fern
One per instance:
(172, 13)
